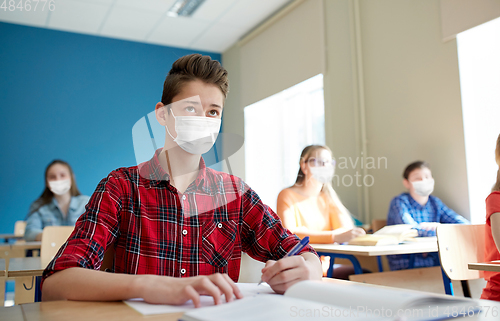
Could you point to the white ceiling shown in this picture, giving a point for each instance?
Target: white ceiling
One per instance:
(215, 26)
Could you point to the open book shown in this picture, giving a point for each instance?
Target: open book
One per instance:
(340, 300)
(388, 235)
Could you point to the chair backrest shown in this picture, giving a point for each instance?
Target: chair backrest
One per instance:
(378, 224)
(459, 245)
(52, 239)
(19, 228)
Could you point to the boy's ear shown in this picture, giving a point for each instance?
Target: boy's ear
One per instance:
(407, 184)
(161, 113)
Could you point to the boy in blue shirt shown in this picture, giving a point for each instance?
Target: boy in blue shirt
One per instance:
(421, 210)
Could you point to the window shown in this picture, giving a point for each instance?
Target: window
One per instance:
(276, 130)
(479, 64)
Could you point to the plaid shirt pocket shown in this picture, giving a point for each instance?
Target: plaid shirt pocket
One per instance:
(218, 242)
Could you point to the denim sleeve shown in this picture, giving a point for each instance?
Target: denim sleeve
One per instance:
(399, 213)
(34, 226)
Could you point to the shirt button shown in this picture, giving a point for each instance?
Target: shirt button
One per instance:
(219, 225)
(185, 232)
(183, 271)
(183, 197)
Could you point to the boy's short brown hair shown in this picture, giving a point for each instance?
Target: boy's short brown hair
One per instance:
(193, 67)
(413, 166)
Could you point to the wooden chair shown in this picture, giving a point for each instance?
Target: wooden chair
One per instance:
(459, 245)
(52, 239)
(19, 228)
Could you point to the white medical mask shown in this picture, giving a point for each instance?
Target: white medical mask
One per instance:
(424, 187)
(195, 134)
(60, 187)
(322, 174)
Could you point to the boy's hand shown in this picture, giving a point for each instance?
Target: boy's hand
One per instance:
(429, 226)
(167, 290)
(284, 273)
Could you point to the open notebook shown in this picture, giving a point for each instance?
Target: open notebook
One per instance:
(388, 235)
(347, 301)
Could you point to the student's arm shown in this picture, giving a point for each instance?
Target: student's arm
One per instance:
(495, 228)
(285, 212)
(34, 227)
(340, 235)
(93, 285)
(448, 215)
(266, 239)
(399, 213)
(284, 273)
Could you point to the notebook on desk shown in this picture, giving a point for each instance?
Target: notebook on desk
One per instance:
(347, 301)
(388, 235)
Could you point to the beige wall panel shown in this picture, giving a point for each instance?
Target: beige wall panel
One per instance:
(460, 15)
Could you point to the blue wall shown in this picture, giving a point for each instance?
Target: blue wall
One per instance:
(74, 97)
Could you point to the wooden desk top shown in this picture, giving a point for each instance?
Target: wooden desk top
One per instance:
(79, 311)
(13, 313)
(407, 248)
(25, 266)
(10, 236)
(493, 266)
(119, 311)
(26, 246)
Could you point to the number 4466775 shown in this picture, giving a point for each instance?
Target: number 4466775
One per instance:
(28, 5)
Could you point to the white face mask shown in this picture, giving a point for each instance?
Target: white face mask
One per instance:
(424, 187)
(322, 174)
(195, 134)
(60, 187)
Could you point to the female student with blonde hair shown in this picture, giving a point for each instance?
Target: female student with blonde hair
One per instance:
(311, 207)
(492, 235)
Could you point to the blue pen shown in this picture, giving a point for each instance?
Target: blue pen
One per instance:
(296, 249)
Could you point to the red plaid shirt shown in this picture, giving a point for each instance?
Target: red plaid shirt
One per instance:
(154, 229)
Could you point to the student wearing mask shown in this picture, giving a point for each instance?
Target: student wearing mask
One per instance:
(492, 235)
(312, 208)
(177, 227)
(420, 209)
(61, 203)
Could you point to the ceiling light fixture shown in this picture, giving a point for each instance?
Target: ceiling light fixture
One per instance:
(184, 8)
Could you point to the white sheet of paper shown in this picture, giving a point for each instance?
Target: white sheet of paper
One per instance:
(247, 289)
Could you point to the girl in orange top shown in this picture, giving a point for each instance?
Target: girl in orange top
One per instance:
(492, 236)
(311, 207)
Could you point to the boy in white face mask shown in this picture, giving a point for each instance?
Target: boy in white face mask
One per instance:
(177, 227)
(60, 204)
(420, 209)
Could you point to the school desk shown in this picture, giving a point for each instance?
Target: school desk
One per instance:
(7, 237)
(351, 251)
(119, 311)
(493, 266)
(27, 271)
